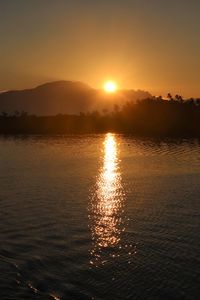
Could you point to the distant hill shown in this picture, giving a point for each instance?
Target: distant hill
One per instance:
(64, 97)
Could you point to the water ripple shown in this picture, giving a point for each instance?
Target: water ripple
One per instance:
(141, 238)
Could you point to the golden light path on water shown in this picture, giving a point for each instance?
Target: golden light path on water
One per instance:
(107, 202)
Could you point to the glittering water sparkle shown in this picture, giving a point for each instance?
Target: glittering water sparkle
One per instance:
(107, 202)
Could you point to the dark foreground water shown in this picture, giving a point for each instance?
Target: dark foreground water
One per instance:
(99, 217)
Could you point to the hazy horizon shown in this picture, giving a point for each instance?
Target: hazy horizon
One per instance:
(34, 86)
(147, 45)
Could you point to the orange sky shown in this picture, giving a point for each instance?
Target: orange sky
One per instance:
(151, 45)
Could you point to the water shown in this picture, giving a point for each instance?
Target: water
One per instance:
(99, 217)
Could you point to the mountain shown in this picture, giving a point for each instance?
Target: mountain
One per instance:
(66, 97)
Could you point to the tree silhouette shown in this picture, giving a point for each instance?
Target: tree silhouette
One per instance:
(152, 116)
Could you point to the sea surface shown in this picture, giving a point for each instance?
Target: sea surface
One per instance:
(99, 217)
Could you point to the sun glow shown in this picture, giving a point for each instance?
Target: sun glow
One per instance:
(110, 86)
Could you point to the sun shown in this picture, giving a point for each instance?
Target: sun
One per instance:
(110, 86)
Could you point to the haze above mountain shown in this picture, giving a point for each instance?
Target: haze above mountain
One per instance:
(66, 97)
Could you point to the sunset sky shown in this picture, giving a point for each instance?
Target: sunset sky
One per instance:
(141, 44)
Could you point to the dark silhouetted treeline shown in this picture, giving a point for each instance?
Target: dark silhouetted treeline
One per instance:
(149, 117)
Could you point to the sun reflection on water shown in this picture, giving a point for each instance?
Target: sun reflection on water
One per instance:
(107, 202)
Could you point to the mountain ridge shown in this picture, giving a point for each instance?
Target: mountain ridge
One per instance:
(68, 97)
